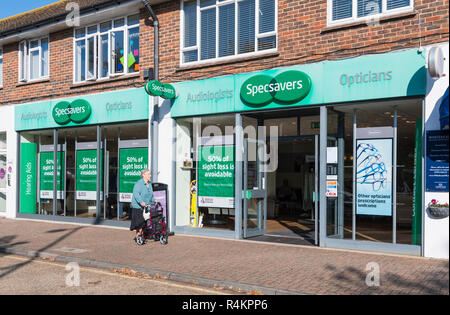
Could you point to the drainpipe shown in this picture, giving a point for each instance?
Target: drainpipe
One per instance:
(155, 117)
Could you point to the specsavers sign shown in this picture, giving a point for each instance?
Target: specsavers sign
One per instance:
(286, 88)
(78, 111)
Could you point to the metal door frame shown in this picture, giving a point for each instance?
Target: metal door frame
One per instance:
(260, 194)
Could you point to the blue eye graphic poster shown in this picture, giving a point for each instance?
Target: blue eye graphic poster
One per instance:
(374, 177)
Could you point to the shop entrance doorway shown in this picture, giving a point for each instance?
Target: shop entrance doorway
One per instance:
(287, 208)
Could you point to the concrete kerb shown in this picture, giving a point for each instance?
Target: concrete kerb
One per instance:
(239, 288)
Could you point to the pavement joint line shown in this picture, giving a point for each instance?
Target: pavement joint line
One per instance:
(246, 241)
(155, 273)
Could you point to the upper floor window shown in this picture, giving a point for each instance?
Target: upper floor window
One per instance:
(107, 49)
(33, 59)
(348, 11)
(221, 29)
(1, 67)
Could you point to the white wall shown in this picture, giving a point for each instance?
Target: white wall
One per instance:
(436, 231)
(7, 125)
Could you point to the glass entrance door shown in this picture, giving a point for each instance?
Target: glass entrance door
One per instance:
(254, 189)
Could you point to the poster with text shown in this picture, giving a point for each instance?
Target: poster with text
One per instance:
(46, 175)
(216, 176)
(86, 180)
(131, 162)
(374, 177)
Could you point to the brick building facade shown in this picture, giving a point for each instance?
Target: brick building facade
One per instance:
(366, 74)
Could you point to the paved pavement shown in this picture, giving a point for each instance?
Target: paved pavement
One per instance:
(253, 267)
(23, 276)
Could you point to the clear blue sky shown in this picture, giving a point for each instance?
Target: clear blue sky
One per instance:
(13, 7)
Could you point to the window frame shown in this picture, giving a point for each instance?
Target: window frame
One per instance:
(369, 18)
(236, 55)
(25, 59)
(125, 28)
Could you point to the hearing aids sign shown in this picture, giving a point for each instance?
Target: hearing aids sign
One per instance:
(286, 88)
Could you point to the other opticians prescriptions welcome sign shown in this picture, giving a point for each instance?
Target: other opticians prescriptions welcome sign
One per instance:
(216, 176)
(374, 177)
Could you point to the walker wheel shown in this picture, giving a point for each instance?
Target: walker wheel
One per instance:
(163, 239)
(140, 240)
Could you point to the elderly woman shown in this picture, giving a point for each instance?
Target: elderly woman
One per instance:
(142, 196)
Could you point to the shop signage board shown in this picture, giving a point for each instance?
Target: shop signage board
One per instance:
(46, 175)
(216, 174)
(131, 162)
(86, 175)
(437, 158)
(28, 174)
(78, 112)
(164, 90)
(374, 176)
(389, 75)
(108, 107)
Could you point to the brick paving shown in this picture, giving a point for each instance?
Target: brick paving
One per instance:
(306, 270)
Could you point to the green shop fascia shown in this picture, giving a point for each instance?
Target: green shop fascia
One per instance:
(379, 77)
(36, 178)
(371, 77)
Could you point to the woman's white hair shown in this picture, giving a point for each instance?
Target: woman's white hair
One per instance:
(144, 171)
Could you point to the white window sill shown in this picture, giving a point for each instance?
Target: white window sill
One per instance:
(34, 81)
(231, 59)
(106, 80)
(369, 20)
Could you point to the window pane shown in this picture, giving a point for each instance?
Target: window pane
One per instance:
(92, 29)
(190, 56)
(80, 59)
(394, 4)
(103, 58)
(133, 19)
(44, 64)
(91, 58)
(342, 9)
(79, 33)
(190, 23)
(22, 60)
(267, 43)
(246, 25)
(266, 16)
(226, 30)
(133, 50)
(104, 27)
(206, 3)
(369, 7)
(119, 22)
(34, 64)
(34, 44)
(208, 34)
(117, 52)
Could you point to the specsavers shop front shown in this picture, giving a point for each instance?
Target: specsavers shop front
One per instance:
(324, 154)
(79, 157)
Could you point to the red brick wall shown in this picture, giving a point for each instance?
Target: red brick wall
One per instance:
(302, 38)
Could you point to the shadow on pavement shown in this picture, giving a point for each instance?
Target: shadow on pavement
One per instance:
(353, 281)
(5, 242)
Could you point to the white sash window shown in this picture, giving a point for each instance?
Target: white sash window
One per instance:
(349, 11)
(34, 59)
(225, 29)
(107, 49)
